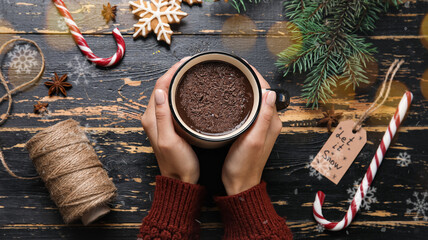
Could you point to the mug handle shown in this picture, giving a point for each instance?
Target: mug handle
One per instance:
(282, 98)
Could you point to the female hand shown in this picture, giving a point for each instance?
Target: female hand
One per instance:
(243, 166)
(175, 156)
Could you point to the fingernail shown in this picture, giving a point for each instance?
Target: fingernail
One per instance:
(159, 97)
(271, 98)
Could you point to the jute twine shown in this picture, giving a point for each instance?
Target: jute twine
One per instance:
(65, 161)
(71, 170)
(384, 93)
(8, 95)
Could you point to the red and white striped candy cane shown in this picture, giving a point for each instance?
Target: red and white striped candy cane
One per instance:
(370, 174)
(83, 45)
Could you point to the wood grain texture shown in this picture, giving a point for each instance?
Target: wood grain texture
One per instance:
(109, 102)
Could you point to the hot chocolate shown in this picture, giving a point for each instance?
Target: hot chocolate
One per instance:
(214, 98)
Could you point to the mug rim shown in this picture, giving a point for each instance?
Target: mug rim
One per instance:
(201, 136)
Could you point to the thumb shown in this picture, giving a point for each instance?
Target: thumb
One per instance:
(262, 124)
(164, 122)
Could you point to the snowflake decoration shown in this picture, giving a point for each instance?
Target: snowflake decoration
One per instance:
(403, 159)
(22, 59)
(368, 199)
(79, 70)
(319, 228)
(322, 165)
(46, 115)
(89, 134)
(420, 206)
(61, 23)
(156, 16)
(407, 4)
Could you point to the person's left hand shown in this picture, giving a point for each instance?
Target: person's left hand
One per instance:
(243, 166)
(175, 156)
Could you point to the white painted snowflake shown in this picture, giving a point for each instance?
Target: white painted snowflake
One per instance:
(403, 159)
(90, 134)
(419, 207)
(368, 199)
(79, 70)
(320, 228)
(323, 167)
(46, 115)
(407, 4)
(22, 59)
(61, 23)
(156, 16)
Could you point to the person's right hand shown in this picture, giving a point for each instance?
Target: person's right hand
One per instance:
(243, 166)
(175, 156)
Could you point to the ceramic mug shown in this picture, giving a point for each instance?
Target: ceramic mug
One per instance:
(214, 141)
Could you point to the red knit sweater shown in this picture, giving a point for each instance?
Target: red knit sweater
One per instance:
(176, 206)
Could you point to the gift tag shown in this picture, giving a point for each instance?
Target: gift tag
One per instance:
(340, 150)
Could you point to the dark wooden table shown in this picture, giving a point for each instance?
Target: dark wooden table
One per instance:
(108, 103)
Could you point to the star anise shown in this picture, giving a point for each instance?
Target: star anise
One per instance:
(58, 85)
(109, 12)
(330, 119)
(40, 108)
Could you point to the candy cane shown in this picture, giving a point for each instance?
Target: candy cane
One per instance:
(83, 45)
(370, 174)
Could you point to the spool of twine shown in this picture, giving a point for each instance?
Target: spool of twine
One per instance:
(72, 172)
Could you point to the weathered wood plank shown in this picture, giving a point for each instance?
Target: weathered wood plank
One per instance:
(291, 188)
(127, 231)
(209, 18)
(116, 98)
(108, 102)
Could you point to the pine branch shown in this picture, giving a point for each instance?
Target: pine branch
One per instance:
(238, 4)
(358, 55)
(318, 84)
(329, 48)
(318, 10)
(320, 80)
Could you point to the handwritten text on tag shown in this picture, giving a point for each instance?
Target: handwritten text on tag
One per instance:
(340, 150)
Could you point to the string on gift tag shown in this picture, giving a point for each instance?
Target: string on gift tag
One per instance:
(384, 92)
(365, 184)
(349, 138)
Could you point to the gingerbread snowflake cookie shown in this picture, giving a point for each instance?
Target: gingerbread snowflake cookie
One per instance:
(156, 15)
(190, 2)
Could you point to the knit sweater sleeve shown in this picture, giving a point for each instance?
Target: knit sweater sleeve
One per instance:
(250, 215)
(175, 207)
